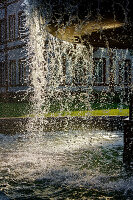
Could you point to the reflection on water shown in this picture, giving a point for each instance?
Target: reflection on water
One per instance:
(61, 165)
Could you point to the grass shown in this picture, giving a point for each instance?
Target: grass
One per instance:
(111, 112)
(22, 110)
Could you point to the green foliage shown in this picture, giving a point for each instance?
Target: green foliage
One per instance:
(81, 102)
(14, 109)
(54, 105)
(62, 103)
(65, 103)
(106, 106)
(76, 104)
(105, 97)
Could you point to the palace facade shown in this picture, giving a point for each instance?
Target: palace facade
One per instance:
(111, 68)
(13, 69)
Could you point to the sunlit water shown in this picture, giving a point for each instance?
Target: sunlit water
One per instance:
(61, 165)
(74, 164)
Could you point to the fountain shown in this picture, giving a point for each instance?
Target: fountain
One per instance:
(92, 25)
(74, 163)
(89, 22)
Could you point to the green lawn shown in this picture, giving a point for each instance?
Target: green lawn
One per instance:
(22, 110)
(110, 112)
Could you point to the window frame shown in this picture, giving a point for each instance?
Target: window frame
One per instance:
(123, 72)
(127, 72)
(103, 82)
(77, 71)
(4, 38)
(23, 79)
(12, 28)
(2, 73)
(11, 77)
(21, 14)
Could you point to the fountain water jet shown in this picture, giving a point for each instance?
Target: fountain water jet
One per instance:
(60, 164)
(88, 22)
(52, 64)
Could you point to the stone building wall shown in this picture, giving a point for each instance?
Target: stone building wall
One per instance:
(112, 68)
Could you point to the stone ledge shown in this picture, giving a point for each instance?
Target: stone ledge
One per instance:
(18, 125)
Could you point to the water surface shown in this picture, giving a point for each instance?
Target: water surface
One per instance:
(70, 164)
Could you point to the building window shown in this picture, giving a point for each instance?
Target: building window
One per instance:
(79, 73)
(23, 73)
(127, 72)
(12, 73)
(12, 27)
(124, 72)
(99, 71)
(2, 30)
(121, 72)
(21, 24)
(63, 75)
(2, 74)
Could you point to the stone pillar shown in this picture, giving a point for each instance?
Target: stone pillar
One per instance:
(128, 137)
(131, 107)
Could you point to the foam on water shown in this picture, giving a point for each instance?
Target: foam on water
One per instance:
(70, 159)
(58, 156)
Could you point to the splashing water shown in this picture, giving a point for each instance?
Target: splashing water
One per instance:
(54, 65)
(59, 68)
(61, 165)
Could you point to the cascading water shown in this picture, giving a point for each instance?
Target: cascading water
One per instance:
(67, 164)
(60, 165)
(61, 68)
(55, 64)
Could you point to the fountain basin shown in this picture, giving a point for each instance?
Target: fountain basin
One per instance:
(99, 23)
(14, 125)
(60, 164)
